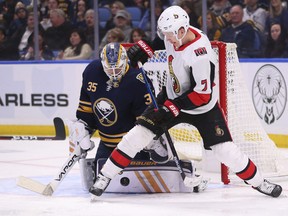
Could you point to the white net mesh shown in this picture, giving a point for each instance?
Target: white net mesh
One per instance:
(243, 121)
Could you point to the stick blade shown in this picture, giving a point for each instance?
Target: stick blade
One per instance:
(59, 129)
(34, 186)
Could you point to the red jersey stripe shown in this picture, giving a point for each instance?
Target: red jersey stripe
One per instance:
(199, 99)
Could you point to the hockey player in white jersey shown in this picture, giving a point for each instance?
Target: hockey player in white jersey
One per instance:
(189, 97)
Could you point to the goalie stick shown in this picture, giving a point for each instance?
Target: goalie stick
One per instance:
(188, 181)
(49, 189)
(60, 133)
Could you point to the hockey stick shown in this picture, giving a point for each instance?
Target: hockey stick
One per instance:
(49, 189)
(60, 133)
(188, 182)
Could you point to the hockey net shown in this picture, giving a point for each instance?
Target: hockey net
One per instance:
(235, 100)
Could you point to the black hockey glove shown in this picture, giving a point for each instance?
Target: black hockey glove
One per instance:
(162, 115)
(156, 120)
(140, 51)
(159, 117)
(162, 96)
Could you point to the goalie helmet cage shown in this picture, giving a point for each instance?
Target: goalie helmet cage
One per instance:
(234, 98)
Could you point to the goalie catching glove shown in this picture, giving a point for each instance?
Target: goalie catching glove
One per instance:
(140, 51)
(79, 138)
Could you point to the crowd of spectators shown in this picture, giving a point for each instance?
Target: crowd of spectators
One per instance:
(66, 27)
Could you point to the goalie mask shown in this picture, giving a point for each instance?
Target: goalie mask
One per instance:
(114, 60)
(171, 20)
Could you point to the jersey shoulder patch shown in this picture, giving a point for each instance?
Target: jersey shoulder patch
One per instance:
(200, 51)
(140, 78)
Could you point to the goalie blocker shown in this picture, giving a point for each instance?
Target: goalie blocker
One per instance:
(142, 177)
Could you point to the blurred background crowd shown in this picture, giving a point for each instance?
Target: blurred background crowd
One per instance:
(66, 28)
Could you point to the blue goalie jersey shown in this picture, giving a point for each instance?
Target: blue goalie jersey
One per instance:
(113, 111)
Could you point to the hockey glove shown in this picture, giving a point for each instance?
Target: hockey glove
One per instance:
(162, 96)
(155, 120)
(140, 51)
(175, 111)
(162, 115)
(79, 138)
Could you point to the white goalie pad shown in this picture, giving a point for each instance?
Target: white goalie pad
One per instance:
(142, 177)
(159, 150)
(86, 173)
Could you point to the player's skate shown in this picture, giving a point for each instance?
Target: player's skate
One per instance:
(201, 185)
(159, 151)
(269, 188)
(100, 185)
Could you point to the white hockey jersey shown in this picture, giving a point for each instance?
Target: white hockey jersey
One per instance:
(191, 70)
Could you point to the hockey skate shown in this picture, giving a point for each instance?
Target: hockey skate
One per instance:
(269, 189)
(100, 185)
(202, 185)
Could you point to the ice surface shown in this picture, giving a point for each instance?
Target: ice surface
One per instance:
(41, 160)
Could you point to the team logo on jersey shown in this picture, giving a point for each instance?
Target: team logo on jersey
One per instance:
(105, 111)
(175, 82)
(140, 78)
(200, 51)
(219, 131)
(269, 93)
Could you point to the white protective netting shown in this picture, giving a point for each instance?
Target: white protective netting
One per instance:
(243, 122)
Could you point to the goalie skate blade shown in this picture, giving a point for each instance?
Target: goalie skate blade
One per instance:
(34, 186)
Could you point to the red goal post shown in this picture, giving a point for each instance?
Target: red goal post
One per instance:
(236, 102)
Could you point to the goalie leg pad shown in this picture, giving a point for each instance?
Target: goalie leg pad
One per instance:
(159, 150)
(87, 173)
(229, 154)
(151, 177)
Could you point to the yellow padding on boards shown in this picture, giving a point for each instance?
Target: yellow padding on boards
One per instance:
(27, 130)
(280, 140)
